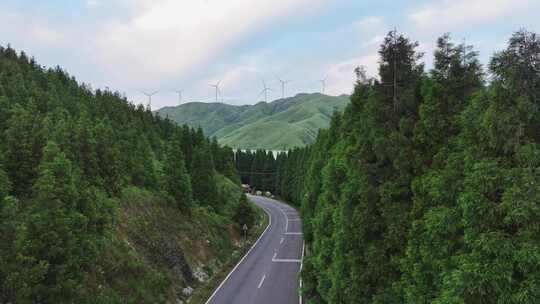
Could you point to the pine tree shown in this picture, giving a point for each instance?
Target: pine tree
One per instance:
(23, 149)
(203, 181)
(244, 213)
(177, 181)
(64, 228)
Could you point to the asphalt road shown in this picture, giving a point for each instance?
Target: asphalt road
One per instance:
(268, 274)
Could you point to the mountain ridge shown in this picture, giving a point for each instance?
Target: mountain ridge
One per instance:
(281, 124)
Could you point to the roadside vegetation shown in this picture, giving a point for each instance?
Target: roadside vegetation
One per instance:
(427, 188)
(102, 201)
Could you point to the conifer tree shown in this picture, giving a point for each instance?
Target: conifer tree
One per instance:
(203, 181)
(63, 232)
(23, 149)
(177, 181)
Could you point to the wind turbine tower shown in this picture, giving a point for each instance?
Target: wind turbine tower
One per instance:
(265, 91)
(283, 83)
(216, 86)
(149, 95)
(323, 82)
(179, 92)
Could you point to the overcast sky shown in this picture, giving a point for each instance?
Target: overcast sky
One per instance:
(147, 45)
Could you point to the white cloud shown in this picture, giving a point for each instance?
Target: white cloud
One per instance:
(93, 3)
(450, 14)
(170, 37)
(146, 44)
(341, 77)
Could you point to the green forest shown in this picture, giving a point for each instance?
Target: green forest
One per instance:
(426, 189)
(94, 192)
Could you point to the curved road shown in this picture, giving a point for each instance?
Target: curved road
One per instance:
(268, 273)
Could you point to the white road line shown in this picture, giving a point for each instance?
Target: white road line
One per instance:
(261, 282)
(281, 241)
(301, 265)
(274, 257)
(286, 220)
(293, 233)
(287, 261)
(250, 249)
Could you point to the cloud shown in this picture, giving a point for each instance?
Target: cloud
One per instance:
(170, 37)
(450, 14)
(93, 3)
(341, 77)
(144, 44)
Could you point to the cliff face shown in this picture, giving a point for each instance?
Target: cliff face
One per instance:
(162, 255)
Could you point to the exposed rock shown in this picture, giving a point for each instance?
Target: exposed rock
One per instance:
(200, 274)
(187, 291)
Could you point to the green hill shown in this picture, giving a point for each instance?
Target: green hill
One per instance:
(284, 123)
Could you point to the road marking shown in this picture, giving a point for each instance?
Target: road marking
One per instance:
(250, 249)
(286, 220)
(286, 261)
(262, 281)
(301, 265)
(281, 241)
(293, 233)
(274, 257)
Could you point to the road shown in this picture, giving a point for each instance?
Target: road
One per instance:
(268, 273)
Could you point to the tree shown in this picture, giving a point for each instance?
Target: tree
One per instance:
(177, 181)
(23, 149)
(63, 232)
(203, 182)
(244, 214)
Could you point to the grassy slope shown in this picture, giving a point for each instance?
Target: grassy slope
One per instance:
(157, 250)
(286, 122)
(296, 126)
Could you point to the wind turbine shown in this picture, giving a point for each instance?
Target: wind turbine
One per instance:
(216, 86)
(323, 82)
(149, 95)
(265, 91)
(179, 92)
(283, 83)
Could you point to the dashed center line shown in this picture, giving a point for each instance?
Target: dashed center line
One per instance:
(286, 260)
(262, 281)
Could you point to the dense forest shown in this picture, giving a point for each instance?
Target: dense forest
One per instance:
(69, 158)
(426, 189)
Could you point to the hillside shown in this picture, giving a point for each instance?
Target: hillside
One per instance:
(278, 125)
(102, 201)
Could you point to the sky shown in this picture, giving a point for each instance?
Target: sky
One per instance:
(135, 46)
